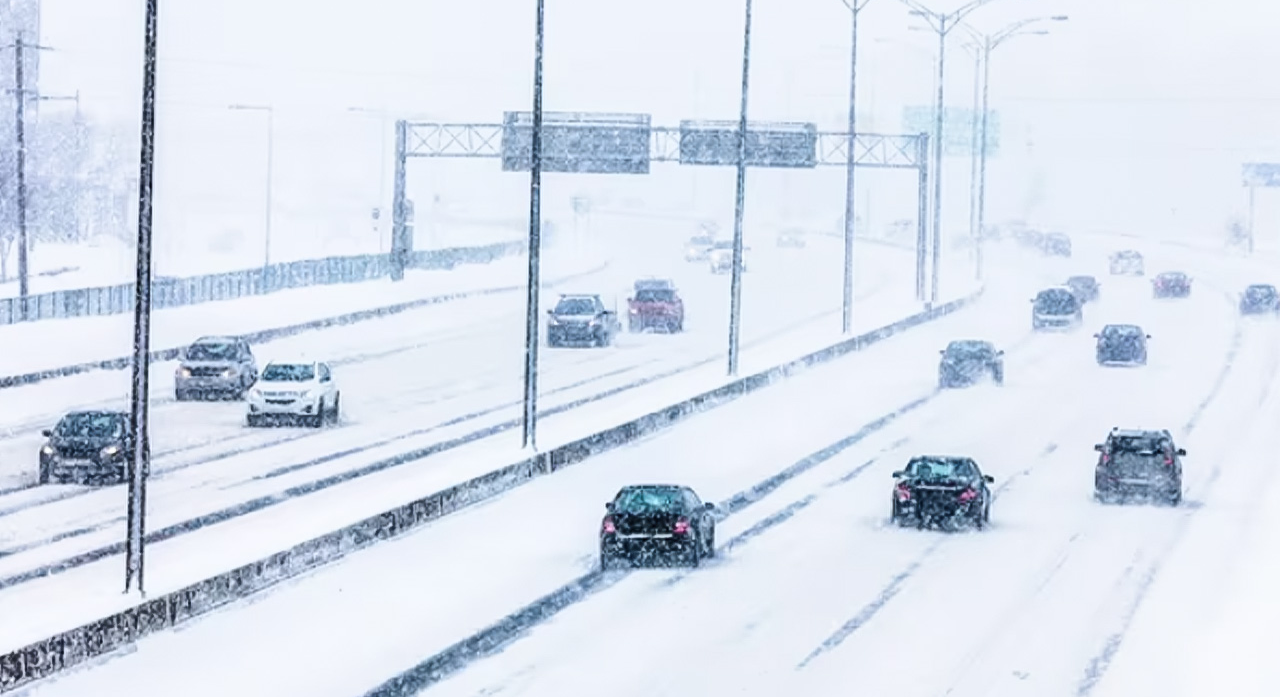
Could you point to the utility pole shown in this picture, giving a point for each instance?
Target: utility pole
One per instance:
(529, 421)
(740, 193)
(850, 212)
(139, 440)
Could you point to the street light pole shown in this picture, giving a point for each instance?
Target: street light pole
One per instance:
(271, 147)
(988, 43)
(974, 120)
(942, 24)
(735, 284)
(140, 442)
(850, 213)
(528, 437)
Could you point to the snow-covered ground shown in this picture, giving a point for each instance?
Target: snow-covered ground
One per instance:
(397, 399)
(814, 593)
(60, 343)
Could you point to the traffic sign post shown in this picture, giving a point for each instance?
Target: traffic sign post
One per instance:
(1254, 175)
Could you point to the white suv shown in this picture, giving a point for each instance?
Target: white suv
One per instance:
(298, 391)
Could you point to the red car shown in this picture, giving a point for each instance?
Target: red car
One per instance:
(655, 304)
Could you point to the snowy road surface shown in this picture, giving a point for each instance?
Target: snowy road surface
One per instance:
(209, 467)
(831, 575)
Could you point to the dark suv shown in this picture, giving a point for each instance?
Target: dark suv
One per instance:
(965, 362)
(87, 446)
(215, 365)
(1122, 344)
(1056, 307)
(581, 319)
(1138, 464)
(1259, 298)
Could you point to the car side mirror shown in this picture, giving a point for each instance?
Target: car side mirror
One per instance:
(1097, 336)
(897, 474)
(551, 312)
(1000, 352)
(631, 300)
(1148, 336)
(1182, 451)
(942, 352)
(47, 433)
(608, 506)
(1098, 447)
(988, 479)
(708, 506)
(326, 379)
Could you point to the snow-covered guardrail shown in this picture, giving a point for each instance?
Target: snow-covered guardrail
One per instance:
(76, 646)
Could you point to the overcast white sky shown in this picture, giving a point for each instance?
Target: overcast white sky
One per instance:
(1132, 113)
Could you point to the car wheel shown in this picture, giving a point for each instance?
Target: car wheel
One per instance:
(695, 554)
(632, 326)
(181, 395)
(253, 420)
(336, 412)
(44, 475)
(317, 420)
(711, 544)
(895, 515)
(1176, 497)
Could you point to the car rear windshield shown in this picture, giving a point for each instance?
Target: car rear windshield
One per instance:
(1135, 463)
(655, 296)
(575, 306)
(1259, 292)
(1121, 331)
(91, 425)
(702, 241)
(649, 500)
(210, 351)
(1056, 302)
(1139, 444)
(968, 349)
(286, 372)
(940, 469)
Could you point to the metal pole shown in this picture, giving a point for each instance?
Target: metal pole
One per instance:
(850, 214)
(922, 213)
(528, 437)
(20, 100)
(973, 153)
(735, 285)
(140, 443)
(397, 257)
(271, 148)
(982, 153)
(937, 159)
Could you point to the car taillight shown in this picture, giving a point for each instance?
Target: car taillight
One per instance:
(682, 526)
(1168, 461)
(608, 526)
(1105, 458)
(968, 495)
(902, 492)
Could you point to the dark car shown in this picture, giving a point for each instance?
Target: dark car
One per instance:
(87, 446)
(1127, 262)
(1056, 244)
(1171, 284)
(1056, 307)
(1258, 299)
(1138, 464)
(942, 491)
(582, 320)
(1086, 288)
(1122, 344)
(965, 362)
(221, 366)
(657, 523)
(655, 303)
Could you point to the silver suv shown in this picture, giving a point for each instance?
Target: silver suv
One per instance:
(220, 366)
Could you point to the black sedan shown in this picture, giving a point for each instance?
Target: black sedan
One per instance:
(966, 362)
(941, 491)
(659, 523)
(1258, 299)
(1171, 284)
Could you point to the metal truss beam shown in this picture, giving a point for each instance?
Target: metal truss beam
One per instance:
(485, 140)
